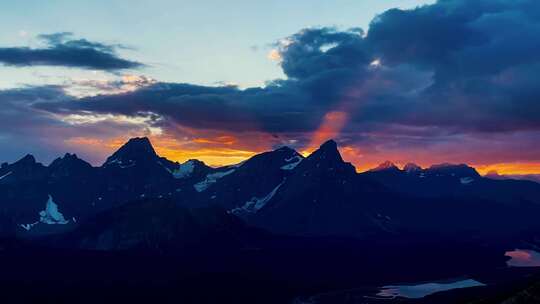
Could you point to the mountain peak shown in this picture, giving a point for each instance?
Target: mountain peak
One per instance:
(70, 156)
(412, 167)
(387, 165)
(138, 148)
(461, 170)
(328, 151)
(327, 157)
(329, 144)
(27, 159)
(69, 161)
(140, 142)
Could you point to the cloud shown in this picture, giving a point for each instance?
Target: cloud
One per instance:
(61, 49)
(426, 81)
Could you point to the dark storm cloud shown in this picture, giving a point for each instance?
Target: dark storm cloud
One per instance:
(313, 51)
(459, 66)
(275, 108)
(62, 50)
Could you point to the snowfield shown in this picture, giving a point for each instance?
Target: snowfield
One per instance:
(211, 179)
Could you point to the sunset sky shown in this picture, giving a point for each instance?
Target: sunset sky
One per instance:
(407, 81)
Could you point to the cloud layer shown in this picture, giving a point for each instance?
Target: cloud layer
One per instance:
(62, 50)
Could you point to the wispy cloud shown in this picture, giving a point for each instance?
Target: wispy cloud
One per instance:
(61, 49)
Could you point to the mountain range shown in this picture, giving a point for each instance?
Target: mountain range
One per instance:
(279, 224)
(279, 191)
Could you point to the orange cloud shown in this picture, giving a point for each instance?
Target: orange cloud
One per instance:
(224, 140)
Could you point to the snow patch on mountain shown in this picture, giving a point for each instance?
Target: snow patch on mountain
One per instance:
(466, 180)
(28, 227)
(113, 161)
(121, 163)
(293, 162)
(5, 175)
(184, 170)
(211, 179)
(50, 216)
(256, 204)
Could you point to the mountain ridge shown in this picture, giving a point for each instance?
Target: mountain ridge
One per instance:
(278, 190)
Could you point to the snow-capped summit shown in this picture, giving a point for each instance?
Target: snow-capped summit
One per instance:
(386, 166)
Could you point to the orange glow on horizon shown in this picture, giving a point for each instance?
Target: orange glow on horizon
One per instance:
(510, 168)
(225, 150)
(213, 151)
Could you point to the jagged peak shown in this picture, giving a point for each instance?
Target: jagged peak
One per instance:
(27, 159)
(139, 142)
(412, 167)
(328, 152)
(385, 166)
(135, 148)
(456, 169)
(329, 145)
(69, 158)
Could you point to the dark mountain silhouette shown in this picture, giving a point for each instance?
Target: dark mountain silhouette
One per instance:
(244, 188)
(322, 196)
(280, 191)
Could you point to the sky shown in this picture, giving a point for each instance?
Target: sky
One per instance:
(406, 81)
